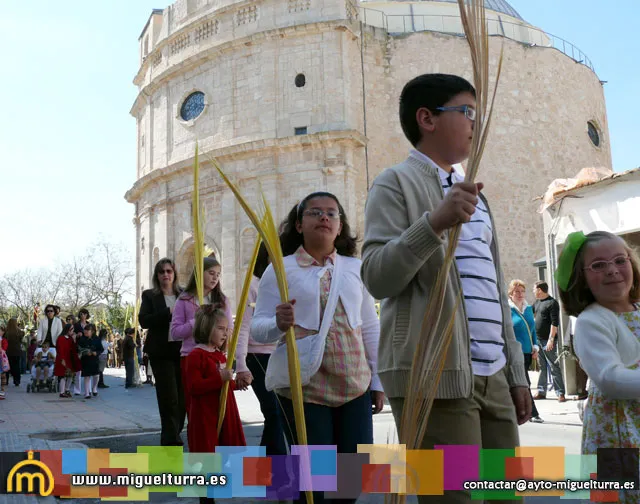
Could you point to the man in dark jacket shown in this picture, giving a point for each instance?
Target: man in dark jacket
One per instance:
(118, 354)
(547, 315)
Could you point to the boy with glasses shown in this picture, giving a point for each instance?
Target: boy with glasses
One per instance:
(483, 394)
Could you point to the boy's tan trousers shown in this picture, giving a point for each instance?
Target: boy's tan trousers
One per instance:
(488, 420)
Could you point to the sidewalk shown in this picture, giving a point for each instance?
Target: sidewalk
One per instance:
(45, 421)
(115, 410)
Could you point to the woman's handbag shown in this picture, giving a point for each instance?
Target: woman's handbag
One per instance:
(310, 348)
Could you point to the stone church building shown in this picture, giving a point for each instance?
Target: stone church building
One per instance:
(295, 96)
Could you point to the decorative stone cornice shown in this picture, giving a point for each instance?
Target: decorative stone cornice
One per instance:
(248, 149)
(215, 51)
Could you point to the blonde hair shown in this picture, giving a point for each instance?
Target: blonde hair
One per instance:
(514, 284)
(206, 319)
(578, 295)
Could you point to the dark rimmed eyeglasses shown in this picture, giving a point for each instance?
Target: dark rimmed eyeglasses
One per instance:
(468, 111)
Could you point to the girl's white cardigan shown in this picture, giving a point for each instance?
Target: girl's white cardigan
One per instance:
(606, 349)
(304, 287)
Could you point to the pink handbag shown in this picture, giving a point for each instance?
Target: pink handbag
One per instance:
(5, 361)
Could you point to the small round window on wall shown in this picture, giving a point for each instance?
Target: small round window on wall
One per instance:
(594, 134)
(192, 106)
(300, 80)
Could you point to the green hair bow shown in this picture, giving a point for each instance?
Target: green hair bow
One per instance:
(568, 257)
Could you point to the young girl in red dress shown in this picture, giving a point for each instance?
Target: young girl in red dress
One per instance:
(205, 375)
(66, 357)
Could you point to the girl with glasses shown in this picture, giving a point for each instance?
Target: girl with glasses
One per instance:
(336, 327)
(599, 280)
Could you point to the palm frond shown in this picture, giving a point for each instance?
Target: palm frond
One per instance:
(233, 342)
(198, 231)
(429, 357)
(268, 231)
(136, 311)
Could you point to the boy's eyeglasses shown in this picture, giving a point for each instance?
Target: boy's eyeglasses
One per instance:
(469, 112)
(602, 266)
(317, 213)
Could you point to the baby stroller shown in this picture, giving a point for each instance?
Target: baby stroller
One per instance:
(51, 384)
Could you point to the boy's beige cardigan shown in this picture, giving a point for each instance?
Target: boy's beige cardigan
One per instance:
(401, 256)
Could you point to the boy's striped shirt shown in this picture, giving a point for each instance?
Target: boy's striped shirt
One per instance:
(479, 283)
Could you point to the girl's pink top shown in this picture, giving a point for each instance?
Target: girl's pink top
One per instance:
(184, 318)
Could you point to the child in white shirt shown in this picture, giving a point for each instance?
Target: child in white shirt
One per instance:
(599, 280)
(45, 358)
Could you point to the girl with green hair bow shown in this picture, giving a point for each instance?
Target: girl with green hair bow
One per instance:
(599, 280)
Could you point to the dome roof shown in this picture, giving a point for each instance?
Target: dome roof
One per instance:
(495, 5)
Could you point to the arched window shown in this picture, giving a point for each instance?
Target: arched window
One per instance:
(184, 261)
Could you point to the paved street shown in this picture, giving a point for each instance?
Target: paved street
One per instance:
(122, 419)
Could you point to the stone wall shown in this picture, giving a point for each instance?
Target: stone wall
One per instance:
(228, 231)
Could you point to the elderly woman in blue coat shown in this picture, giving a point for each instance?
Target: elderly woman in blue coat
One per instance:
(525, 329)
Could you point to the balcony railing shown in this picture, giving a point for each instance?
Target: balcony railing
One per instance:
(407, 23)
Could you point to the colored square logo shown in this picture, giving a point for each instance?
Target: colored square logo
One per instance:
(113, 491)
(603, 495)
(516, 468)
(256, 471)
(285, 483)
(425, 472)
(618, 464)
(461, 463)
(323, 462)
(376, 478)
(74, 461)
(233, 467)
(309, 477)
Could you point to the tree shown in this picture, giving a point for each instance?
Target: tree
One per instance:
(110, 272)
(116, 315)
(103, 274)
(21, 290)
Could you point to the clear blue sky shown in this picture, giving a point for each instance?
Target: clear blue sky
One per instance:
(67, 142)
(607, 32)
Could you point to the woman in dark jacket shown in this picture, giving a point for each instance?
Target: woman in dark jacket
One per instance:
(164, 354)
(14, 337)
(78, 327)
